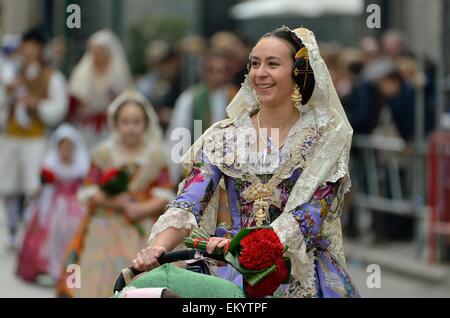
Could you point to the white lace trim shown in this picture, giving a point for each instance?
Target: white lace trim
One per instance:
(249, 95)
(223, 147)
(333, 230)
(335, 142)
(302, 262)
(173, 217)
(321, 74)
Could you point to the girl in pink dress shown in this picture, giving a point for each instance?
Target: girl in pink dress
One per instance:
(54, 215)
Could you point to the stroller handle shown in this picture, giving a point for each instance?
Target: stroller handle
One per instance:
(169, 257)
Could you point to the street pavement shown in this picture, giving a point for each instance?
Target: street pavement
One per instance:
(12, 286)
(394, 285)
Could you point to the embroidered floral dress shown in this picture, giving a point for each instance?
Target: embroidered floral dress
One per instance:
(297, 190)
(330, 278)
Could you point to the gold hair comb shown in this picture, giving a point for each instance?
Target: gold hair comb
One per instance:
(303, 52)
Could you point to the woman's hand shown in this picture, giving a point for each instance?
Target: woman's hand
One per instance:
(215, 242)
(148, 258)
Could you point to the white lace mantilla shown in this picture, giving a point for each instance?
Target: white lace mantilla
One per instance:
(227, 148)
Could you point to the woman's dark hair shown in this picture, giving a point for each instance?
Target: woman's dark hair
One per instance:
(134, 102)
(306, 86)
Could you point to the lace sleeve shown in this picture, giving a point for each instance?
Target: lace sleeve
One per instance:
(194, 195)
(301, 230)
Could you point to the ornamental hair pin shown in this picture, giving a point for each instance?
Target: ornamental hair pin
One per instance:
(303, 52)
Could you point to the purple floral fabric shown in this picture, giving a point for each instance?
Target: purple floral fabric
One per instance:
(331, 279)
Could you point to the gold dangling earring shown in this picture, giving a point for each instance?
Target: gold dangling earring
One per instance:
(296, 96)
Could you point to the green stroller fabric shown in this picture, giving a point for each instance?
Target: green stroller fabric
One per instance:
(188, 284)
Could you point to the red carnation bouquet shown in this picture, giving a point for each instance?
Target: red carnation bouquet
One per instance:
(47, 176)
(114, 181)
(257, 253)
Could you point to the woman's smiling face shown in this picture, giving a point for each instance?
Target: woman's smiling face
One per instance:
(270, 71)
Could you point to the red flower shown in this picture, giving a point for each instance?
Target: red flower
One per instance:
(114, 181)
(257, 253)
(109, 176)
(269, 284)
(47, 176)
(260, 249)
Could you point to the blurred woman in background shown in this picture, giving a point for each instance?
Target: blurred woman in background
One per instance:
(119, 223)
(99, 77)
(52, 219)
